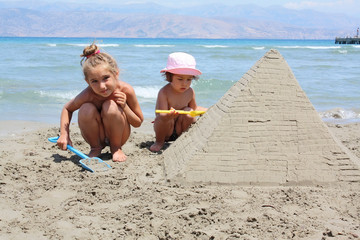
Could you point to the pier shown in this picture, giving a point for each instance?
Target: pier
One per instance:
(348, 40)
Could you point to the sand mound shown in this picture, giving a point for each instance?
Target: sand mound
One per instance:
(263, 131)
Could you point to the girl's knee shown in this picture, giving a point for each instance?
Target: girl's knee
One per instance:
(187, 109)
(187, 119)
(184, 123)
(111, 109)
(164, 127)
(108, 104)
(88, 110)
(164, 123)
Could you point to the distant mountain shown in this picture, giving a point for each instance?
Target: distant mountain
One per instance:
(155, 21)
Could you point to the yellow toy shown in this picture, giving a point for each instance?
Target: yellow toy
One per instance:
(191, 113)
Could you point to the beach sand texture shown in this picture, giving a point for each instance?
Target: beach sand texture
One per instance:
(45, 194)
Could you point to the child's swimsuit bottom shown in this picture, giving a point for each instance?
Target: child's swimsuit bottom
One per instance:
(173, 136)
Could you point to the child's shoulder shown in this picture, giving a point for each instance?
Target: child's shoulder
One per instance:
(125, 87)
(86, 93)
(167, 89)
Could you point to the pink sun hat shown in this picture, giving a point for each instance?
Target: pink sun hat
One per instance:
(181, 63)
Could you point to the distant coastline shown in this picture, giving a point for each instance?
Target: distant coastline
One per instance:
(163, 38)
(240, 22)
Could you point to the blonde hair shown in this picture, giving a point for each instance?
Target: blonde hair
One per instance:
(92, 57)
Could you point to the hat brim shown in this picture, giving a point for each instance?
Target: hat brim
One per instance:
(183, 71)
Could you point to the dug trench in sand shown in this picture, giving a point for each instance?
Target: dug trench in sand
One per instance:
(263, 131)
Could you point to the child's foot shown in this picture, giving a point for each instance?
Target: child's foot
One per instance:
(95, 152)
(157, 146)
(119, 156)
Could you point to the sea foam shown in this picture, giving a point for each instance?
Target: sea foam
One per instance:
(153, 45)
(310, 47)
(340, 113)
(147, 92)
(214, 46)
(100, 45)
(258, 48)
(58, 94)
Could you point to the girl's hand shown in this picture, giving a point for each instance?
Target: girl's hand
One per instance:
(63, 141)
(173, 113)
(120, 98)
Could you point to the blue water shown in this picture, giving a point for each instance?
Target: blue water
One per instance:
(39, 75)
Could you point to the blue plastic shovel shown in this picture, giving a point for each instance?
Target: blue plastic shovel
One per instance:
(85, 161)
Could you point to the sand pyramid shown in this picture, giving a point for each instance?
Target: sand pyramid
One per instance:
(263, 131)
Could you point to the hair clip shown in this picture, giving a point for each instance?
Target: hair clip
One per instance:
(98, 51)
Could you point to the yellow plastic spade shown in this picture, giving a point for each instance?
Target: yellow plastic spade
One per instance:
(191, 113)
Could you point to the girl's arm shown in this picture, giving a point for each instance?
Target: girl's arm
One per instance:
(162, 104)
(65, 119)
(192, 103)
(132, 108)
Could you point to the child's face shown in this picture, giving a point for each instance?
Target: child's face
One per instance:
(101, 80)
(181, 83)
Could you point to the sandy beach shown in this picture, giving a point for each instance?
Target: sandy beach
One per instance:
(302, 176)
(46, 194)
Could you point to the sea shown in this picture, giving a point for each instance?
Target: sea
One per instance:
(39, 75)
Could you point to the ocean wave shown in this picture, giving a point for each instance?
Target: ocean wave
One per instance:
(258, 48)
(213, 46)
(141, 92)
(356, 46)
(340, 114)
(109, 45)
(58, 94)
(51, 44)
(86, 44)
(310, 47)
(153, 45)
(147, 92)
(343, 51)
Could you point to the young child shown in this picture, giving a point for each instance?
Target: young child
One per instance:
(177, 94)
(107, 107)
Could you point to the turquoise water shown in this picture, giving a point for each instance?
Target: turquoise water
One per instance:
(39, 75)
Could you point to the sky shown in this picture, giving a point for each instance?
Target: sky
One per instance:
(348, 7)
